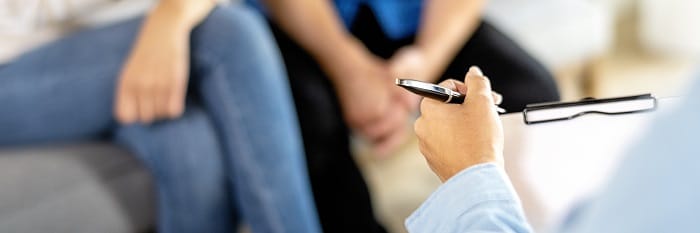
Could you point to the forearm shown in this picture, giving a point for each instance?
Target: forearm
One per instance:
(176, 16)
(172, 20)
(315, 25)
(445, 26)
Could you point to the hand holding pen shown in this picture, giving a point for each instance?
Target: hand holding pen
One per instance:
(454, 137)
(449, 93)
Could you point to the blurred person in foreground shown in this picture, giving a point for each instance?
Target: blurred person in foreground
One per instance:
(342, 57)
(655, 189)
(181, 88)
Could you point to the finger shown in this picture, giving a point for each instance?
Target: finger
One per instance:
(407, 62)
(418, 128)
(400, 70)
(390, 143)
(479, 87)
(389, 77)
(379, 124)
(427, 104)
(396, 69)
(455, 85)
(449, 83)
(386, 123)
(125, 108)
(411, 102)
(160, 102)
(461, 87)
(145, 106)
(497, 98)
(395, 136)
(176, 100)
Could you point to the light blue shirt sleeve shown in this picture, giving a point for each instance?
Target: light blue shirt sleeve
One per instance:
(655, 189)
(478, 199)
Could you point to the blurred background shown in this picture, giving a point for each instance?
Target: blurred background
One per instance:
(595, 48)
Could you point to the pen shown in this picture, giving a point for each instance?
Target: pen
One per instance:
(435, 92)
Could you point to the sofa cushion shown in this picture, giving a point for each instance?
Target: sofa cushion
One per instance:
(94, 187)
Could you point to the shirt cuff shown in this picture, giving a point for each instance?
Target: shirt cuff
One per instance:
(469, 188)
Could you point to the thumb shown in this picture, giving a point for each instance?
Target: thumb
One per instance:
(478, 85)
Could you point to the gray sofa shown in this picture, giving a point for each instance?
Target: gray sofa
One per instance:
(94, 187)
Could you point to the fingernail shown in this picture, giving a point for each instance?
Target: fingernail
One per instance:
(476, 70)
(452, 85)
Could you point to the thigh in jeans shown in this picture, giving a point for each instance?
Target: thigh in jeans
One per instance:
(64, 90)
(239, 76)
(184, 156)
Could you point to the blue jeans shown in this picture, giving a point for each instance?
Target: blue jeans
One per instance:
(235, 154)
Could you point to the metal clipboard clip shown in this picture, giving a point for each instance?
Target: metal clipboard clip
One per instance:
(560, 111)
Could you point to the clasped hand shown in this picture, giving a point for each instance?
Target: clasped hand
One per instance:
(373, 106)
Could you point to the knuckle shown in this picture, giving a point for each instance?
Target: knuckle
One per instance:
(481, 78)
(367, 119)
(418, 128)
(485, 81)
(446, 83)
(356, 120)
(368, 132)
(130, 85)
(123, 113)
(482, 96)
(124, 117)
(175, 110)
(145, 84)
(424, 106)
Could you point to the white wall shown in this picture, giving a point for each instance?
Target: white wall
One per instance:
(670, 27)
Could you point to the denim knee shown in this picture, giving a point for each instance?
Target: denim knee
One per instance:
(184, 157)
(234, 32)
(181, 154)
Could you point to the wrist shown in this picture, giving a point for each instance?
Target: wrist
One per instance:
(339, 60)
(446, 176)
(178, 16)
(472, 159)
(166, 21)
(434, 60)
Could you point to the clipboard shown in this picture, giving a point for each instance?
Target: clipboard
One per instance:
(560, 111)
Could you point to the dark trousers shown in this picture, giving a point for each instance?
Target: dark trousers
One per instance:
(340, 192)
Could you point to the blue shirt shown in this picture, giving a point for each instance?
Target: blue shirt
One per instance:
(398, 18)
(655, 189)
